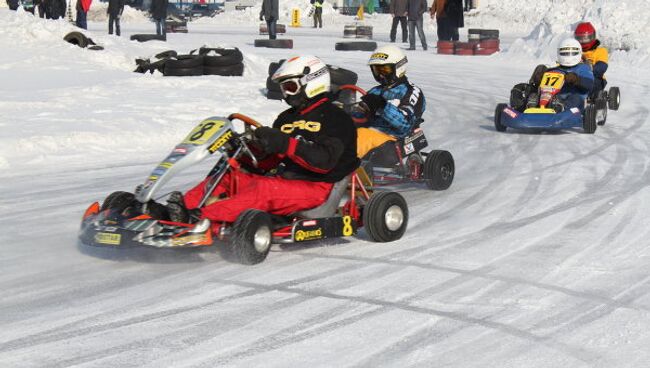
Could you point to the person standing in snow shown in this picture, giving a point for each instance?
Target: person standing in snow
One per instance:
(159, 14)
(40, 4)
(13, 4)
(82, 11)
(438, 11)
(271, 14)
(114, 11)
(318, 12)
(399, 10)
(454, 11)
(415, 10)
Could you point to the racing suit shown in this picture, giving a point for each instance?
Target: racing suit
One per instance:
(598, 58)
(321, 150)
(574, 95)
(404, 107)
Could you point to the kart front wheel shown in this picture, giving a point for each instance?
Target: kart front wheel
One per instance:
(251, 238)
(497, 118)
(439, 170)
(589, 119)
(385, 217)
(614, 98)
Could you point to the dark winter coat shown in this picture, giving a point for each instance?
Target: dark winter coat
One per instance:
(13, 4)
(398, 7)
(454, 11)
(323, 146)
(270, 10)
(159, 9)
(115, 7)
(416, 8)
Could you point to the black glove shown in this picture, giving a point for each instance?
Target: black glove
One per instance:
(261, 17)
(571, 78)
(272, 140)
(374, 102)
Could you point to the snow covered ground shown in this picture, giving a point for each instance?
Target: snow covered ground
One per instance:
(537, 256)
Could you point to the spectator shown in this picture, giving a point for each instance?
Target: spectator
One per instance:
(468, 5)
(318, 12)
(415, 10)
(442, 21)
(159, 14)
(270, 13)
(399, 10)
(82, 12)
(114, 11)
(454, 11)
(41, 7)
(55, 9)
(13, 4)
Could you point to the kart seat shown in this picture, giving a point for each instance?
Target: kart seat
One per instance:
(329, 207)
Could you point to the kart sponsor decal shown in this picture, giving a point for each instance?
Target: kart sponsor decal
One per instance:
(309, 223)
(158, 171)
(202, 132)
(166, 164)
(417, 134)
(302, 235)
(152, 178)
(378, 56)
(408, 148)
(110, 229)
(312, 126)
(575, 110)
(510, 112)
(180, 150)
(225, 137)
(108, 238)
(188, 239)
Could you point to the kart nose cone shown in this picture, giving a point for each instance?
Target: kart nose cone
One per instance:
(262, 239)
(394, 218)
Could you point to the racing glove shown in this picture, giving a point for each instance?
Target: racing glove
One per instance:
(374, 102)
(261, 17)
(272, 140)
(571, 78)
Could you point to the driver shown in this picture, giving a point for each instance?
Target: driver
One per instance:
(313, 141)
(578, 80)
(394, 106)
(593, 53)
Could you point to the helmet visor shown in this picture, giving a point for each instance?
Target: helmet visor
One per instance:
(290, 87)
(382, 70)
(569, 52)
(585, 38)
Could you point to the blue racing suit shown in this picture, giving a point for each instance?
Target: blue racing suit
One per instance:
(405, 105)
(574, 95)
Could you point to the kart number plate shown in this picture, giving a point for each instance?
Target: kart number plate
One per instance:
(553, 80)
(202, 132)
(108, 238)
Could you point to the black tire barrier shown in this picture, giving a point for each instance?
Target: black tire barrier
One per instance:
(275, 44)
(166, 54)
(220, 57)
(340, 76)
(182, 72)
(475, 34)
(271, 85)
(356, 46)
(274, 65)
(148, 37)
(224, 70)
(279, 29)
(81, 40)
(184, 62)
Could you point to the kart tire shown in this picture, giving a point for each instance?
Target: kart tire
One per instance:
(439, 169)
(184, 62)
(225, 57)
(226, 70)
(275, 44)
(157, 65)
(76, 38)
(497, 118)
(271, 85)
(252, 234)
(117, 201)
(601, 105)
(385, 216)
(340, 76)
(356, 46)
(614, 98)
(589, 120)
(182, 72)
(148, 37)
(166, 54)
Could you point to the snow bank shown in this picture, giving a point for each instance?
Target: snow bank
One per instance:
(97, 13)
(620, 25)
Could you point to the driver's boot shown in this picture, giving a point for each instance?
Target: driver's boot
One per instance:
(176, 208)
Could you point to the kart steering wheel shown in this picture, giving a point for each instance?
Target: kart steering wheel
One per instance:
(249, 124)
(358, 110)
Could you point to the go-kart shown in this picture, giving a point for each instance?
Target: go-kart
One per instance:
(402, 160)
(128, 220)
(545, 111)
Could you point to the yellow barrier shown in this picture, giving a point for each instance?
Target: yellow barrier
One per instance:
(295, 17)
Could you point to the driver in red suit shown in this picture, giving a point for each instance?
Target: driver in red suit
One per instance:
(314, 142)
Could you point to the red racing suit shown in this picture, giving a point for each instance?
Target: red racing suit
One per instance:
(321, 151)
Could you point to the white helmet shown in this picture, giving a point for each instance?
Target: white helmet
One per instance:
(569, 53)
(301, 78)
(388, 63)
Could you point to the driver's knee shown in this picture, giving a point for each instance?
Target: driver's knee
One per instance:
(538, 73)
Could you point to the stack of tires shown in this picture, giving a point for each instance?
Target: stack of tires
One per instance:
(357, 31)
(183, 66)
(144, 37)
(338, 77)
(204, 61)
(446, 47)
(222, 61)
(279, 29)
(485, 41)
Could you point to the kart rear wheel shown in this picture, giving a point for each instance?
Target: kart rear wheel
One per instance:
(497, 118)
(439, 169)
(252, 236)
(589, 120)
(117, 201)
(614, 98)
(385, 217)
(601, 111)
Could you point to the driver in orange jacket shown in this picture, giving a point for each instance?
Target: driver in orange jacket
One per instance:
(593, 54)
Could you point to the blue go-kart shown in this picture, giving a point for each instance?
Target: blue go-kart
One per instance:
(549, 113)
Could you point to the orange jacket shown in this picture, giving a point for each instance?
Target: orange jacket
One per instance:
(438, 8)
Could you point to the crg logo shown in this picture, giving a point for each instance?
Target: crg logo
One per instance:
(312, 126)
